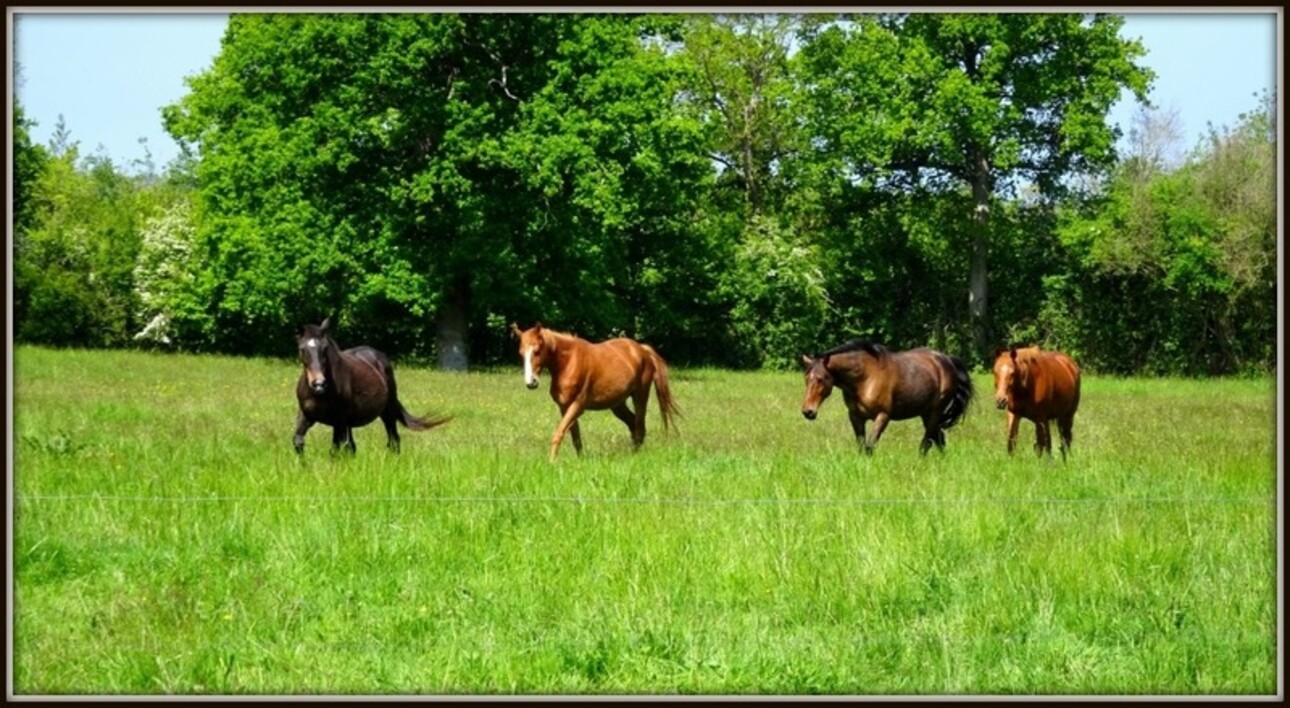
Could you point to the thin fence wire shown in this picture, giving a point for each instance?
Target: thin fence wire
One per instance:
(659, 501)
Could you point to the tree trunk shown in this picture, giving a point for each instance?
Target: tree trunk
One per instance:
(450, 331)
(978, 287)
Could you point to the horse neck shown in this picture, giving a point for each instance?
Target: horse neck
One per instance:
(340, 371)
(559, 344)
(849, 367)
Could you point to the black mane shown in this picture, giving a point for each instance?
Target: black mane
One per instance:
(858, 344)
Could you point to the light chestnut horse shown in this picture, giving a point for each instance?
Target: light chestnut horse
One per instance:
(346, 390)
(882, 385)
(599, 376)
(1040, 386)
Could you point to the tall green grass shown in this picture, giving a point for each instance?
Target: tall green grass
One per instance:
(168, 540)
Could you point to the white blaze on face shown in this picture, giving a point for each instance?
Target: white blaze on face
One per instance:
(530, 378)
(312, 343)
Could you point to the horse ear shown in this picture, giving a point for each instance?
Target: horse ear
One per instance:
(807, 361)
(538, 325)
(322, 329)
(515, 329)
(1012, 351)
(825, 362)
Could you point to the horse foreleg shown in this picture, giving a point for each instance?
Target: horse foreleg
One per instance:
(571, 413)
(342, 436)
(879, 424)
(575, 432)
(1014, 421)
(303, 424)
(857, 426)
(1043, 438)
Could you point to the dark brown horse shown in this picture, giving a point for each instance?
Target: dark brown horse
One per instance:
(587, 376)
(881, 385)
(1039, 386)
(346, 390)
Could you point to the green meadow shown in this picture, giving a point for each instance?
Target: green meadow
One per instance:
(167, 539)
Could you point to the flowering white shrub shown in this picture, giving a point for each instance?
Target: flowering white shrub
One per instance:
(164, 267)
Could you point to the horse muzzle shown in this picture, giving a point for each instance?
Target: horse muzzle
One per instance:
(319, 386)
(530, 385)
(808, 413)
(1001, 403)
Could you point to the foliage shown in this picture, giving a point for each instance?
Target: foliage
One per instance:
(777, 285)
(734, 189)
(392, 166)
(164, 272)
(983, 102)
(29, 160)
(72, 270)
(1186, 259)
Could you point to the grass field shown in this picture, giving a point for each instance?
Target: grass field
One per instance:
(167, 540)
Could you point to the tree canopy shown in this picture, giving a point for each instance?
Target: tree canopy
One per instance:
(736, 189)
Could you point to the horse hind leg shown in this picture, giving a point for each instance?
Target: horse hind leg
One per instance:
(933, 434)
(641, 403)
(929, 436)
(1065, 428)
(624, 413)
(391, 420)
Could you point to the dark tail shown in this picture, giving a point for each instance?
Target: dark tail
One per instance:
(425, 422)
(962, 395)
(665, 403)
(408, 420)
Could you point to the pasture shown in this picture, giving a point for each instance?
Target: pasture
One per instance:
(166, 539)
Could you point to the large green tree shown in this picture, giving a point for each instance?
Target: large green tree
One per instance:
(424, 174)
(983, 103)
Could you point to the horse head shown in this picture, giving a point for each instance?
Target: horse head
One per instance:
(532, 350)
(819, 384)
(316, 351)
(1010, 373)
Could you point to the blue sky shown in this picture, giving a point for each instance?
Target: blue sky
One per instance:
(109, 74)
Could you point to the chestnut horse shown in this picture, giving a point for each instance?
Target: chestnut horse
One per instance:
(587, 376)
(346, 390)
(881, 385)
(1040, 386)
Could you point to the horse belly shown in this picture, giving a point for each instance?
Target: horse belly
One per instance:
(603, 395)
(913, 401)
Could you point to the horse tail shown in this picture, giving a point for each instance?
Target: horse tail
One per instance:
(409, 421)
(962, 394)
(665, 402)
(425, 422)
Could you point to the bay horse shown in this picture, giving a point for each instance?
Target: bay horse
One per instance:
(1040, 386)
(882, 385)
(348, 389)
(595, 376)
